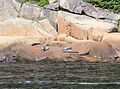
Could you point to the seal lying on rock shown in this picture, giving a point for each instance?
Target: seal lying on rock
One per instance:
(113, 30)
(69, 50)
(45, 48)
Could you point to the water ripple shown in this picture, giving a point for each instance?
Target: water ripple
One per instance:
(70, 83)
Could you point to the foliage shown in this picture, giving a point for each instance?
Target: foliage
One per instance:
(40, 3)
(43, 3)
(113, 5)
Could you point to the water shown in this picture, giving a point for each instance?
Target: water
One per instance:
(60, 75)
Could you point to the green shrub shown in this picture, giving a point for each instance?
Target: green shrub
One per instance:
(112, 5)
(40, 3)
(43, 3)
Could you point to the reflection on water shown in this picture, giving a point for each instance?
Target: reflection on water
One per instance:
(60, 75)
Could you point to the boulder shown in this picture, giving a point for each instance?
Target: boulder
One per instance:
(50, 15)
(72, 5)
(50, 12)
(82, 27)
(46, 25)
(114, 40)
(7, 9)
(80, 7)
(52, 6)
(13, 9)
(29, 11)
(103, 51)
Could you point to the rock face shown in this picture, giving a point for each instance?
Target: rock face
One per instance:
(20, 25)
(78, 6)
(82, 27)
(69, 29)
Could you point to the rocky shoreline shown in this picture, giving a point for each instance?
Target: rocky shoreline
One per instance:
(64, 30)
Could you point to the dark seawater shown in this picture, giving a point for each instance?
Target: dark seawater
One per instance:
(60, 75)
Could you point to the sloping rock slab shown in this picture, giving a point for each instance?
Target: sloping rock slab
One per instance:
(92, 49)
(103, 51)
(23, 27)
(82, 27)
(114, 40)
